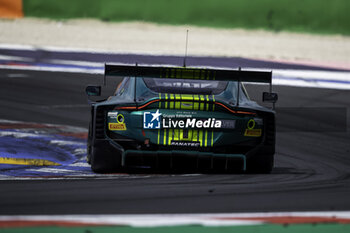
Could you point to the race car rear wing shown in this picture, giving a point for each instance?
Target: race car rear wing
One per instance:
(187, 73)
(194, 73)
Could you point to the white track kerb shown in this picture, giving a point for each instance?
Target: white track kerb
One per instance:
(160, 220)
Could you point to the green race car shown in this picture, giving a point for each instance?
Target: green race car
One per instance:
(181, 119)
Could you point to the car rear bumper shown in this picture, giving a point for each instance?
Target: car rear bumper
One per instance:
(184, 159)
(173, 159)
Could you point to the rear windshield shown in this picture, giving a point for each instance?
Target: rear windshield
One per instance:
(185, 86)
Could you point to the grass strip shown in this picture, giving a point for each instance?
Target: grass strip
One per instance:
(266, 228)
(315, 16)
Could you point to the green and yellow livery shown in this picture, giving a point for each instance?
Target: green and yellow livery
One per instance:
(172, 118)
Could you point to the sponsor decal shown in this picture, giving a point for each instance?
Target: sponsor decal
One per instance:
(112, 115)
(251, 124)
(258, 121)
(119, 125)
(155, 120)
(185, 143)
(120, 118)
(252, 132)
(192, 123)
(116, 126)
(228, 124)
(180, 115)
(117, 116)
(151, 120)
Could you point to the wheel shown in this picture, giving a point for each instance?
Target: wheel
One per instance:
(88, 145)
(104, 160)
(260, 164)
(88, 153)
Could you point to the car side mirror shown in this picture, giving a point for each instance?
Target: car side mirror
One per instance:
(270, 97)
(93, 90)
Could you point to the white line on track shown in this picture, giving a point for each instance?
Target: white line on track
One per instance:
(74, 49)
(66, 143)
(300, 78)
(75, 62)
(18, 134)
(53, 170)
(16, 58)
(80, 151)
(80, 164)
(54, 69)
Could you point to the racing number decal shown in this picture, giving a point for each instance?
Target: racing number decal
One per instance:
(186, 102)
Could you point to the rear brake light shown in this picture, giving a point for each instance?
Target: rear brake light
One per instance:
(135, 107)
(234, 111)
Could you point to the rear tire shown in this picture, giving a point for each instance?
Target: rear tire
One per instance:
(260, 164)
(103, 160)
(88, 156)
(88, 145)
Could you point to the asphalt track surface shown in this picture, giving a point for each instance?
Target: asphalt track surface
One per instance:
(312, 169)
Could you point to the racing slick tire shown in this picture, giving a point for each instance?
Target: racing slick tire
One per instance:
(88, 150)
(103, 160)
(88, 145)
(260, 164)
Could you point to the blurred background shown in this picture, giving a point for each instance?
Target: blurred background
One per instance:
(316, 16)
(310, 32)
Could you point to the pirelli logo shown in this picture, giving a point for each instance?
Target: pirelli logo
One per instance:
(116, 126)
(252, 132)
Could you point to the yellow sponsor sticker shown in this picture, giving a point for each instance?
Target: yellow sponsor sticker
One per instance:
(252, 132)
(116, 126)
